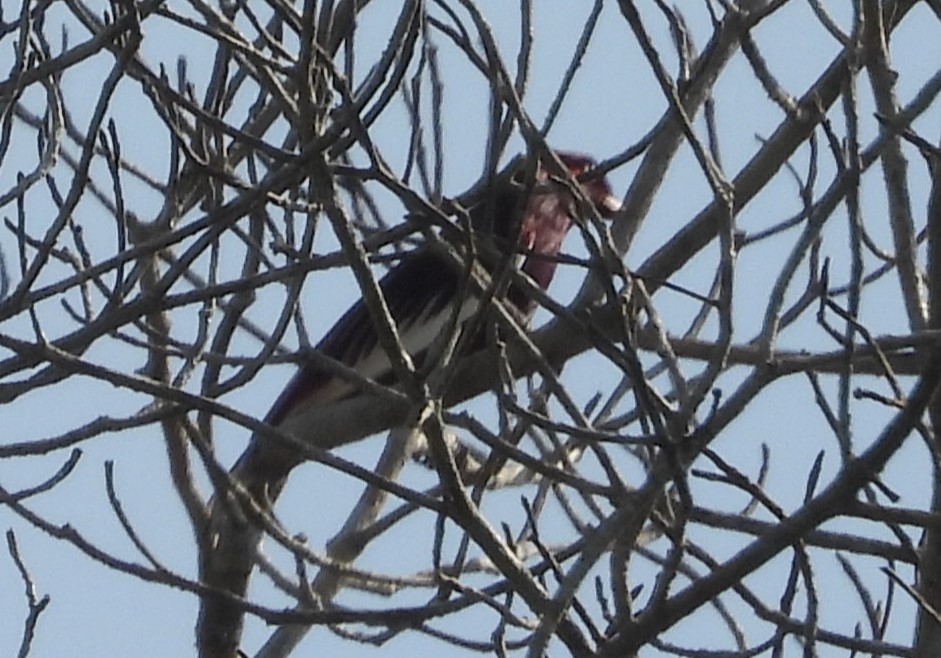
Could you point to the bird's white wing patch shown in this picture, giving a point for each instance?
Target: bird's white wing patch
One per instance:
(416, 337)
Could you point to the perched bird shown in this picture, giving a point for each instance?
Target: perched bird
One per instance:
(526, 223)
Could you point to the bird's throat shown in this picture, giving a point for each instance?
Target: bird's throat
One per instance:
(545, 223)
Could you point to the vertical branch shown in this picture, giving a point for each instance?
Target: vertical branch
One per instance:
(853, 165)
(894, 166)
(36, 606)
(928, 631)
(158, 369)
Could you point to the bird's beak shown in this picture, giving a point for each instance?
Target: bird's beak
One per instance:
(609, 206)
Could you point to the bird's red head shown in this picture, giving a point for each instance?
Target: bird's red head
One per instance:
(596, 189)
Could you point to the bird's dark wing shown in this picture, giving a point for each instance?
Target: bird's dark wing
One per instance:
(420, 292)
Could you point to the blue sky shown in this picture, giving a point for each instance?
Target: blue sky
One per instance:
(614, 101)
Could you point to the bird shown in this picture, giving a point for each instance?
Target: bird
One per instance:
(525, 215)
(526, 223)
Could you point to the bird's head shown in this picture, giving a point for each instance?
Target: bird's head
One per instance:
(501, 208)
(595, 188)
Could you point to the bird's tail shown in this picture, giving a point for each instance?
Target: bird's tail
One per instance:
(236, 528)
